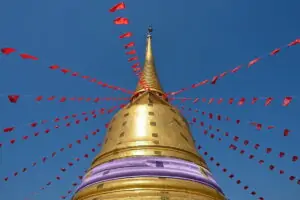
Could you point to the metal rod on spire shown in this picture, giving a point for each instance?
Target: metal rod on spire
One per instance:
(150, 30)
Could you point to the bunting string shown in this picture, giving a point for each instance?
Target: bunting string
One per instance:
(68, 124)
(211, 116)
(238, 101)
(216, 78)
(10, 50)
(130, 47)
(225, 170)
(65, 169)
(247, 142)
(251, 156)
(14, 98)
(44, 159)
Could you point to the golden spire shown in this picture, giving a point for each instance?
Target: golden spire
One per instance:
(148, 152)
(149, 79)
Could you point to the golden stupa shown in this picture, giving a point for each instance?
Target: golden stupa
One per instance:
(148, 152)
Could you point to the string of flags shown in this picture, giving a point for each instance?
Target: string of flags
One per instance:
(225, 170)
(216, 78)
(132, 52)
(48, 130)
(74, 184)
(14, 98)
(9, 50)
(65, 169)
(35, 124)
(92, 80)
(247, 142)
(251, 156)
(239, 101)
(211, 116)
(53, 155)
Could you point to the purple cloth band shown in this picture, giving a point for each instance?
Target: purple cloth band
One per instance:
(148, 167)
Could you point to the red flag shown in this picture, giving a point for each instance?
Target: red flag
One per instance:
(34, 124)
(119, 6)
(252, 62)
(130, 44)
(223, 74)
(8, 50)
(211, 100)
(65, 71)
(274, 52)
(75, 74)
(135, 65)
(126, 35)
(220, 101)
(231, 101)
(9, 129)
(132, 52)
(287, 101)
(236, 69)
(268, 101)
(121, 21)
(258, 126)
(199, 84)
(63, 99)
(214, 80)
(13, 98)
(132, 59)
(254, 100)
(297, 41)
(286, 132)
(54, 67)
(27, 56)
(242, 101)
(196, 100)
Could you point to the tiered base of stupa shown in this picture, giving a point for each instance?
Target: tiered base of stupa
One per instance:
(142, 178)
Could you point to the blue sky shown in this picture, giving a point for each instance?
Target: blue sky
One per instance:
(193, 40)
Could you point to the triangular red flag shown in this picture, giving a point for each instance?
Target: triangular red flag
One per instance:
(8, 50)
(214, 80)
(126, 35)
(132, 59)
(287, 101)
(275, 51)
(268, 101)
(252, 62)
(118, 6)
(121, 21)
(130, 44)
(27, 56)
(13, 98)
(54, 67)
(132, 52)
(236, 69)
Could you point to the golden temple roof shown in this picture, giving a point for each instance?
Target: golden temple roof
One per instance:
(149, 78)
(148, 152)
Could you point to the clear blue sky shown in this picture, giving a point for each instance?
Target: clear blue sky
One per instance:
(193, 40)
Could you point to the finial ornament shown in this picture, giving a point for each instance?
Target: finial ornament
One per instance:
(150, 30)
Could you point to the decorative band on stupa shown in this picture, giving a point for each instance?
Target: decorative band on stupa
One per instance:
(149, 167)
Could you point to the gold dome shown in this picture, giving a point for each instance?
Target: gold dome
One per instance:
(149, 152)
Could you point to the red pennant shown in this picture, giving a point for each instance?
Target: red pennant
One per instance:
(214, 80)
(132, 52)
(268, 101)
(126, 35)
(275, 51)
(119, 6)
(252, 62)
(8, 50)
(13, 98)
(287, 101)
(27, 56)
(130, 44)
(121, 21)
(236, 69)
